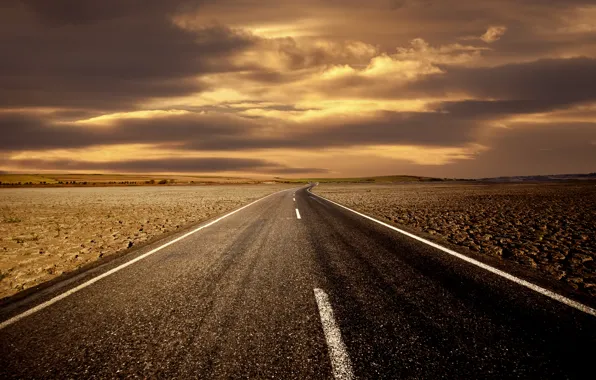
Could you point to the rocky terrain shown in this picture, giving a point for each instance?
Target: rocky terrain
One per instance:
(549, 226)
(48, 231)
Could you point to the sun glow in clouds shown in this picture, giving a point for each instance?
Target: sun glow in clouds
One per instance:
(109, 118)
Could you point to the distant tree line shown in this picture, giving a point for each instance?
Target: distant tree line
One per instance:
(85, 183)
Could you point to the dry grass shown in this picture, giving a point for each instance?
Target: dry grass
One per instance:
(45, 232)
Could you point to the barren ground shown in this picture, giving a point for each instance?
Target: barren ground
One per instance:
(45, 232)
(550, 227)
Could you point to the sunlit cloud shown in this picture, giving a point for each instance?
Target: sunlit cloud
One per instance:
(109, 118)
(422, 155)
(493, 33)
(300, 28)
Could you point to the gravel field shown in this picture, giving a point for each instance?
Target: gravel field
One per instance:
(550, 227)
(46, 232)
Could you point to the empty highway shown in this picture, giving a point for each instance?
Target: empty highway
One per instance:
(293, 287)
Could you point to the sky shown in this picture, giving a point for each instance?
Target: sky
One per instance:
(311, 88)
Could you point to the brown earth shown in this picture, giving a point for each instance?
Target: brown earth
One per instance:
(69, 180)
(550, 227)
(46, 232)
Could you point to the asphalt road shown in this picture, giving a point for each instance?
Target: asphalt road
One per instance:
(237, 300)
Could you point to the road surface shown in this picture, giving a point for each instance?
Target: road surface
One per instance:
(294, 287)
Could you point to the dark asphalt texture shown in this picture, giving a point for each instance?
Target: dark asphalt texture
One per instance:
(235, 301)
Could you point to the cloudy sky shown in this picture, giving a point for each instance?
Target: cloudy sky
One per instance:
(449, 88)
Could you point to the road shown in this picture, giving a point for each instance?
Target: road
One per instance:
(294, 287)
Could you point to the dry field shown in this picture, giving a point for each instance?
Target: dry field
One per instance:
(59, 179)
(45, 232)
(550, 227)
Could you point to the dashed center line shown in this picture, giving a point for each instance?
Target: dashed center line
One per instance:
(298, 214)
(340, 360)
(294, 199)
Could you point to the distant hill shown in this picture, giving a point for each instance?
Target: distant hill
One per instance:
(378, 179)
(410, 178)
(542, 178)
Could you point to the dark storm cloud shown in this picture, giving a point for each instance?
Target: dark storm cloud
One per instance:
(105, 55)
(223, 133)
(491, 109)
(175, 165)
(552, 82)
(531, 149)
(22, 132)
(61, 12)
(523, 42)
(386, 128)
(293, 170)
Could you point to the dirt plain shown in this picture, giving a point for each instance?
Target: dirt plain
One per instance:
(550, 227)
(45, 232)
(63, 179)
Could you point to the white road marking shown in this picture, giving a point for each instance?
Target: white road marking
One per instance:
(340, 360)
(114, 270)
(318, 201)
(294, 199)
(498, 272)
(298, 214)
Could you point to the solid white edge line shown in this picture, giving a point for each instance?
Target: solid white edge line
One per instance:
(114, 270)
(527, 284)
(340, 360)
(298, 214)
